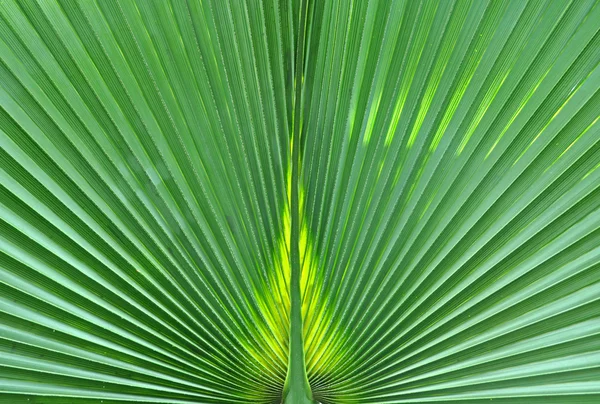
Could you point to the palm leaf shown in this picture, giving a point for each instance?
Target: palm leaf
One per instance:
(344, 201)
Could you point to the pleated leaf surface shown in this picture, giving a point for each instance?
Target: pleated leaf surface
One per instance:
(448, 198)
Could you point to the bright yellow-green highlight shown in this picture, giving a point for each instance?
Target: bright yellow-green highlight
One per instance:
(276, 304)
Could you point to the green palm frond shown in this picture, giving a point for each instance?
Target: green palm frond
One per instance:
(266, 201)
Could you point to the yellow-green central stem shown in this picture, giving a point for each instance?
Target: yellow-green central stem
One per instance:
(297, 389)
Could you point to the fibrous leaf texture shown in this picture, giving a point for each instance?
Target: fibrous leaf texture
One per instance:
(267, 201)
